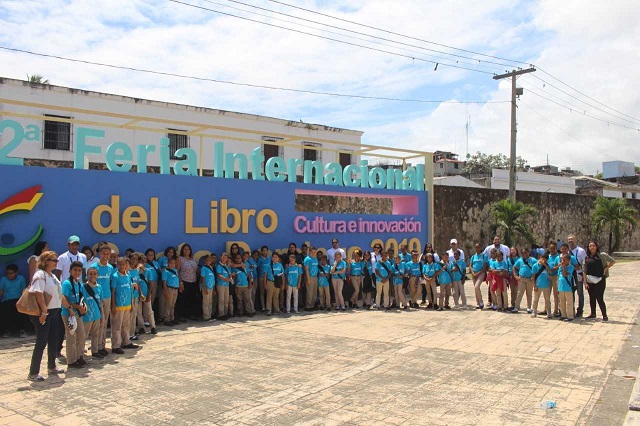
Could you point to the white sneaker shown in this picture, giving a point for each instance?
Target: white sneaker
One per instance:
(529, 310)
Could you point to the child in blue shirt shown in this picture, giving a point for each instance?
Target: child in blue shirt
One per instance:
(294, 272)
(444, 278)
(324, 272)
(11, 287)
(273, 282)
(224, 279)
(153, 274)
(92, 294)
(458, 268)
(73, 305)
(565, 288)
(207, 284)
(500, 276)
(145, 300)
(171, 285)
(338, 273)
(243, 290)
(430, 272)
(121, 302)
(383, 274)
(105, 271)
(478, 266)
(135, 297)
(263, 267)
(399, 270)
(414, 270)
(541, 286)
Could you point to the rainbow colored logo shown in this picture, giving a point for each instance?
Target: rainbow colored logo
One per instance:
(23, 201)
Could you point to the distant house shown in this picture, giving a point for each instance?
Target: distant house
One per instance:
(447, 164)
(536, 182)
(546, 169)
(460, 181)
(587, 185)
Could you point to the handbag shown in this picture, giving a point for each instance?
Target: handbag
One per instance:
(592, 279)
(28, 304)
(277, 279)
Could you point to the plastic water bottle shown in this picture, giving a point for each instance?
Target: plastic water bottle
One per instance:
(548, 405)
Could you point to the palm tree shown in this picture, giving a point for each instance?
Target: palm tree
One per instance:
(36, 79)
(512, 216)
(613, 215)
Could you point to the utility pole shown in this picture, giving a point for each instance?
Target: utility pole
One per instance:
(512, 158)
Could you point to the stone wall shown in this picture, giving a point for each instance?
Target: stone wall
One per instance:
(463, 213)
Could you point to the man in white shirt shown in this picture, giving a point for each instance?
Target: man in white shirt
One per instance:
(454, 248)
(497, 243)
(335, 248)
(66, 259)
(580, 254)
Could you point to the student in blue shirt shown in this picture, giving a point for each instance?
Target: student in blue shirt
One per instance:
(444, 279)
(523, 274)
(171, 285)
(135, 297)
(500, 277)
(458, 268)
(565, 288)
(273, 282)
(399, 271)
(310, 264)
(414, 272)
(105, 271)
(338, 274)
(512, 283)
(355, 272)
(368, 281)
(121, 295)
(264, 262)
(243, 290)
(92, 294)
(541, 286)
(224, 279)
(478, 266)
(430, 271)
(73, 305)
(145, 300)
(207, 284)
(553, 264)
(153, 274)
(11, 287)
(383, 274)
(324, 272)
(293, 273)
(252, 269)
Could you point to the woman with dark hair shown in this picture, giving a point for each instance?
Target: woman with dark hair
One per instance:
(41, 246)
(188, 305)
(163, 262)
(596, 270)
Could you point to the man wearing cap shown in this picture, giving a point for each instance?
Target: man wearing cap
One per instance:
(454, 248)
(67, 258)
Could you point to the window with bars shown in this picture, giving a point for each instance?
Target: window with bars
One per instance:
(57, 134)
(310, 153)
(177, 141)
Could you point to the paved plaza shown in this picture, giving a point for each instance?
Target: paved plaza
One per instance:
(418, 367)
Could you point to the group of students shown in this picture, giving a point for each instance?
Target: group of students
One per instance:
(88, 291)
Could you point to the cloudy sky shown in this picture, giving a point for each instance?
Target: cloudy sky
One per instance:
(590, 46)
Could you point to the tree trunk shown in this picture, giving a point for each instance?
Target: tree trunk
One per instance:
(610, 240)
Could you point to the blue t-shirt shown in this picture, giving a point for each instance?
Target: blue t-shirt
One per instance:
(293, 275)
(543, 279)
(356, 268)
(12, 289)
(242, 276)
(414, 269)
(135, 279)
(264, 265)
(73, 293)
(445, 276)
(312, 264)
(223, 271)
(122, 285)
(144, 286)
(171, 277)
(340, 266)
(93, 309)
(384, 272)
(209, 277)
(498, 265)
(104, 278)
(552, 262)
(564, 283)
(525, 267)
(274, 270)
(405, 258)
(323, 275)
(252, 268)
(398, 270)
(477, 262)
(510, 263)
(430, 269)
(462, 267)
(150, 270)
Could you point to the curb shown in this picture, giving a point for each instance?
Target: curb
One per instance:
(634, 399)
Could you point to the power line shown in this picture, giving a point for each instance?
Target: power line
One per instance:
(235, 83)
(327, 38)
(397, 34)
(367, 35)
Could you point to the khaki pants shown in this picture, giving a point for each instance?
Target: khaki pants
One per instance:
(556, 297)
(514, 286)
(273, 298)
(477, 287)
(147, 307)
(243, 298)
(546, 292)
(525, 285)
(445, 292)
(431, 291)
(134, 316)
(106, 313)
(207, 304)
(566, 304)
(458, 293)
(162, 305)
(262, 293)
(383, 290)
(312, 292)
(338, 283)
(170, 304)
(120, 329)
(356, 281)
(325, 297)
(292, 291)
(75, 342)
(415, 291)
(399, 295)
(223, 301)
(93, 328)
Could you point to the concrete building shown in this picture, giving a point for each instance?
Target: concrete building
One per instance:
(447, 164)
(536, 182)
(617, 169)
(458, 180)
(587, 185)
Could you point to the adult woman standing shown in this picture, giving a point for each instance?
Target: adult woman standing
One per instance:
(47, 324)
(188, 304)
(39, 248)
(596, 266)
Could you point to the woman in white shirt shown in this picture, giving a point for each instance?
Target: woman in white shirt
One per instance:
(47, 324)
(41, 246)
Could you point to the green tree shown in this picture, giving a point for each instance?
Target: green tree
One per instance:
(483, 163)
(612, 215)
(37, 79)
(511, 217)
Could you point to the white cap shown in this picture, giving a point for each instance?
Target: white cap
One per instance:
(73, 325)
(453, 240)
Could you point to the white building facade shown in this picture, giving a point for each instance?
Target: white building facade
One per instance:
(536, 182)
